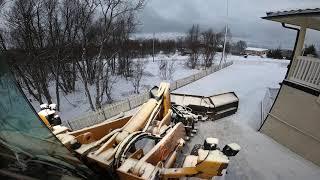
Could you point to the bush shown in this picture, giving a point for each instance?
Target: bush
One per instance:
(310, 50)
(275, 54)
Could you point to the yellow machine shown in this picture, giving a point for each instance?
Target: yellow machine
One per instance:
(146, 145)
(49, 116)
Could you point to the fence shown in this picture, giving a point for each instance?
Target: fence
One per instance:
(307, 72)
(134, 101)
(267, 102)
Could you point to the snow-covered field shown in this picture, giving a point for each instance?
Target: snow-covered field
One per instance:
(76, 104)
(260, 157)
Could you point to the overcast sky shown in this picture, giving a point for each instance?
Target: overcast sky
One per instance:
(244, 18)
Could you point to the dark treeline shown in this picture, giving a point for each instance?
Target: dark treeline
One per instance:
(63, 41)
(200, 45)
(57, 43)
(279, 53)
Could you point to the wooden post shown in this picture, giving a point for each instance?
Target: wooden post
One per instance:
(298, 51)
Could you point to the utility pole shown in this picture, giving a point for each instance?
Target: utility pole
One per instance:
(225, 38)
(153, 48)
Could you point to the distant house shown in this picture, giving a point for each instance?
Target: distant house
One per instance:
(256, 51)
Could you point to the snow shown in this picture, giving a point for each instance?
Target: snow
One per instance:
(260, 156)
(223, 99)
(255, 49)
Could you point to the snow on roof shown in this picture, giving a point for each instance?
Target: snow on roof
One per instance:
(255, 49)
(309, 18)
(294, 12)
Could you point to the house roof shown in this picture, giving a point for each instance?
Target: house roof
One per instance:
(293, 12)
(256, 49)
(309, 18)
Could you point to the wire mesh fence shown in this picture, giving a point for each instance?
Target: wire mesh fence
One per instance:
(267, 102)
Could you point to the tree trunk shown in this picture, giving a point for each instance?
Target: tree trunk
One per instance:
(89, 96)
(57, 91)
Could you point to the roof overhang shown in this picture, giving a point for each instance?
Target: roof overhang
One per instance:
(309, 18)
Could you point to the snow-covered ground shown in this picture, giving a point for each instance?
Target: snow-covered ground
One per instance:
(76, 104)
(260, 157)
(248, 77)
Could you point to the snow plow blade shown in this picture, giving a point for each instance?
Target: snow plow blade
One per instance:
(214, 107)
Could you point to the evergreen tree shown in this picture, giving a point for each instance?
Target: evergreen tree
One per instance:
(311, 50)
(275, 54)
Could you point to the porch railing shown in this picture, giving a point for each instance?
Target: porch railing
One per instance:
(307, 72)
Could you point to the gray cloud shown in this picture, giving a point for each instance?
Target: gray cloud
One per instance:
(244, 18)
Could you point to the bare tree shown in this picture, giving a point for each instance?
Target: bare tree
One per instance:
(241, 46)
(2, 2)
(125, 26)
(210, 44)
(3, 46)
(56, 42)
(85, 12)
(227, 36)
(84, 78)
(69, 41)
(50, 12)
(108, 84)
(166, 69)
(193, 41)
(26, 22)
(98, 69)
(137, 73)
(111, 10)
